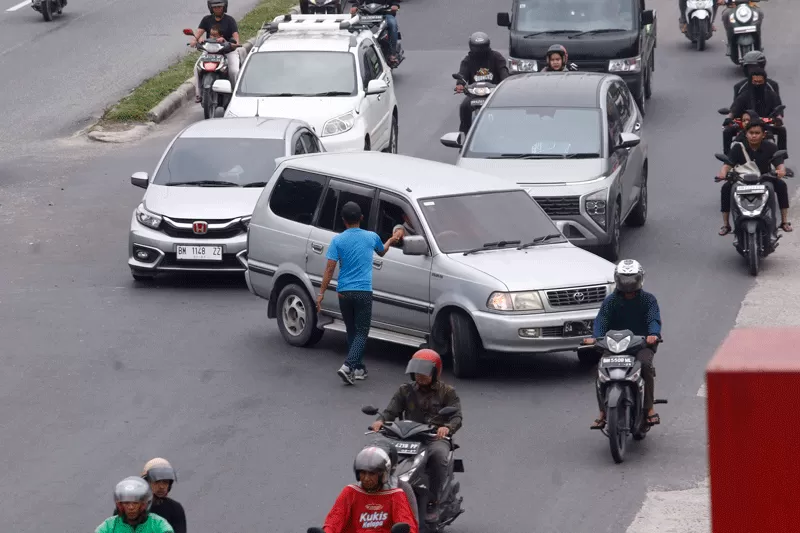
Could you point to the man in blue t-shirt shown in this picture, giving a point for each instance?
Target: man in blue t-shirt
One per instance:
(352, 250)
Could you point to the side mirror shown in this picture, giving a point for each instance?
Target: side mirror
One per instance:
(369, 410)
(648, 17)
(724, 159)
(415, 245)
(723, 111)
(222, 86)
(377, 87)
(187, 31)
(504, 20)
(627, 140)
(447, 411)
(140, 179)
(780, 154)
(401, 527)
(453, 140)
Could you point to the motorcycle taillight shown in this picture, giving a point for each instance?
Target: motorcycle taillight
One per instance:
(210, 67)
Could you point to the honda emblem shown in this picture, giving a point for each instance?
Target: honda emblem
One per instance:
(200, 227)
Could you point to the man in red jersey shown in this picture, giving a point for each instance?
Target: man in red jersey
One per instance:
(370, 506)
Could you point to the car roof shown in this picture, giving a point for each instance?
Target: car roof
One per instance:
(550, 89)
(242, 128)
(409, 176)
(299, 40)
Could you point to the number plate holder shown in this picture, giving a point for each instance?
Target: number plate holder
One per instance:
(407, 447)
(578, 329)
(617, 361)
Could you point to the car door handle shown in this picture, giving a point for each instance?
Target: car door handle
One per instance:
(317, 247)
(377, 263)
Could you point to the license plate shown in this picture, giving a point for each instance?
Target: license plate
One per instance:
(371, 18)
(759, 188)
(190, 252)
(576, 329)
(478, 102)
(212, 59)
(407, 448)
(618, 361)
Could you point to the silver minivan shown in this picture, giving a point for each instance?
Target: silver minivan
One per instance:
(481, 268)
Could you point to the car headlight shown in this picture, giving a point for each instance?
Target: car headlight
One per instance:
(595, 205)
(339, 124)
(630, 64)
(744, 13)
(146, 218)
(515, 301)
(522, 65)
(618, 347)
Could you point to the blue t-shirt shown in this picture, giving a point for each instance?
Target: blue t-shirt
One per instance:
(353, 249)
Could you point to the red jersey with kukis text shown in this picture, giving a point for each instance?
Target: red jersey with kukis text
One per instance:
(359, 511)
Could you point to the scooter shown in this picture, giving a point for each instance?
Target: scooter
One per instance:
(744, 23)
(49, 7)
(698, 16)
(373, 16)
(325, 7)
(212, 66)
(478, 92)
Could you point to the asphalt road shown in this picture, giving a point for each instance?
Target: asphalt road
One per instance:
(101, 374)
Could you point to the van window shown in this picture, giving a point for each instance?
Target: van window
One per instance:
(296, 195)
(393, 211)
(339, 193)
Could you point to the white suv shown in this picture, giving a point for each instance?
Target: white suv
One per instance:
(326, 70)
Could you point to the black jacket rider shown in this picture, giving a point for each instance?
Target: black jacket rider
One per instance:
(491, 68)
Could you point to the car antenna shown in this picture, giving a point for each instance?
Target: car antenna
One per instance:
(258, 101)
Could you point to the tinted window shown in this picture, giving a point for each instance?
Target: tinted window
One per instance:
(310, 143)
(299, 74)
(536, 130)
(580, 15)
(612, 115)
(461, 223)
(296, 195)
(393, 211)
(298, 146)
(621, 101)
(375, 63)
(339, 193)
(224, 162)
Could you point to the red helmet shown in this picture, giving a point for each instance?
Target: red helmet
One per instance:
(426, 362)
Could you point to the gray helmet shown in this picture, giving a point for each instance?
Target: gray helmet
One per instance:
(479, 43)
(216, 3)
(133, 489)
(754, 58)
(373, 459)
(629, 276)
(387, 446)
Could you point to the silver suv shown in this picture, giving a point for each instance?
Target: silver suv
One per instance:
(481, 267)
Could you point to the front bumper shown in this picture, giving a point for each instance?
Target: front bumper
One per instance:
(163, 256)
(501, 332)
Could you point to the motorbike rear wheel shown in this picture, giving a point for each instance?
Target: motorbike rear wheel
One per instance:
(700, 32)
(618, 418)
(753, 257)
(209, 103)
(47, 10)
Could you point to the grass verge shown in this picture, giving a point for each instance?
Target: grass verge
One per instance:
(135, 106)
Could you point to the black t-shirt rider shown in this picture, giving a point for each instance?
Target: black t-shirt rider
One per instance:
(227, 26)
(490, 68)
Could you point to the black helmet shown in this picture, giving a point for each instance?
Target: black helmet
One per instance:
(754, 58)
(216, 3)
(479, 43)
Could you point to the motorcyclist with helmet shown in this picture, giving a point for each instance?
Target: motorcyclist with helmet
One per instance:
(133, 498)
(758, 97)
(420, 401)
(370, 505)
(480, 64)
(158, 472)
(229, 30)
(629, 307)
(556, 60)
(394, 480)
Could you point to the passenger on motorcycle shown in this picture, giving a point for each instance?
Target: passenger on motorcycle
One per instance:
(630, 307)
(761, 100)
(133, 498)
(684, 24)
(756, 152)
(734, 133)
(391, 25)
(556, 59)
(480, 64)
(371, 505)
(229, 32)
(421, 402)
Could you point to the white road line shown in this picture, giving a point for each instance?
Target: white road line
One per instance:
(703, 392)
(19, 6)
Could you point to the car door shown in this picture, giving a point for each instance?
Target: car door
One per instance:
(327, 224)
(379, 106)
(618, 159)
(401, 283)
(630, 123)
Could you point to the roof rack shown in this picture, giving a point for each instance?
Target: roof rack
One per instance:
(311, 23)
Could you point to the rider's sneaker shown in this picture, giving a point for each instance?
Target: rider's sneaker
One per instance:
(347, 375)
(360, 374)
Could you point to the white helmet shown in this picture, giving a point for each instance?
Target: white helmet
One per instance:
(629, 275)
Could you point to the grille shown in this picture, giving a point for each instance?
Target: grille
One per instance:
(567, 297)
(560, 206)
(228, 233)
(228, 261)
(592, 65)
(556, 331)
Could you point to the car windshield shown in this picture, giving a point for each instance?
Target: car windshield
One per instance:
(519, 132)
(578, 15)
(299, 74)
(469, 221)
(222, 162)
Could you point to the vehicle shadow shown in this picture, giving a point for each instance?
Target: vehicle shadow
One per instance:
(193, 281)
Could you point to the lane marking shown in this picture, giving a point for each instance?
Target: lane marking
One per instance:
(19, 6)
(702, 392)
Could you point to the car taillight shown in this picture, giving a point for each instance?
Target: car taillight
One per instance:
(210, 67)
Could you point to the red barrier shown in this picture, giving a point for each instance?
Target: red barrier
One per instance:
(753, 387)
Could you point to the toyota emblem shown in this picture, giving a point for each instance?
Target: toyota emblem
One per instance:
(200, 228)
(579, 296)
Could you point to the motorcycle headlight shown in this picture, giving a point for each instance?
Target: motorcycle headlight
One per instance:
(213, 47)
(515, 301)
(751, 205)
(146, 218)
(516, 66)
(744, 13)
(618, 347)
(340, 124)
(595, 206)
(630, 64)
(481, 91)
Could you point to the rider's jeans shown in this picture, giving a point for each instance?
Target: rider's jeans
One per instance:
(233, 71)
(391, 28)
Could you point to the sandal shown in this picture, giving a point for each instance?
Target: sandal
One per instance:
(724, 230)
(599, 423)
(787, 227)
(653, 420)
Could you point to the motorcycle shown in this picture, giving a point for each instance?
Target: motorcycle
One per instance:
(399, 527)
(325, 7)
(620, 384)
(212, 66)
(48, 7)
(372, 16)
(744, 22)
(478, 92)
(754, 213)
(699, 27)
(410, 440)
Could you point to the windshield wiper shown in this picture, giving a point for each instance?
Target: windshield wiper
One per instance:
(545, 156)
(553, 32)
(256, 184)
(540, 240)
(204, 183)
(269, 95)
(593, 32)
(332, 93)
(490, 245)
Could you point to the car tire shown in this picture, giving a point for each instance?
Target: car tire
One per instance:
(638, 215)
(297, 317)
(611, 250)
(142, 275)
(466, 347)
(392, 148)
(367, 145)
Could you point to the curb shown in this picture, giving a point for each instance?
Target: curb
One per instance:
(134, 134)
(176, 99)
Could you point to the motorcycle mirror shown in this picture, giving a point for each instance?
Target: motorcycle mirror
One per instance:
(400, 527)
(780, 154)
(369, 410)
(447, 411)
(724, 159)
(187, 31)
(723, 111)
(314, 530)
(456, 76)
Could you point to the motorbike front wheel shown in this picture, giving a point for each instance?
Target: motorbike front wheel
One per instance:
(753, 258)
(47, 10)
(700, 32)
(618, 419)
